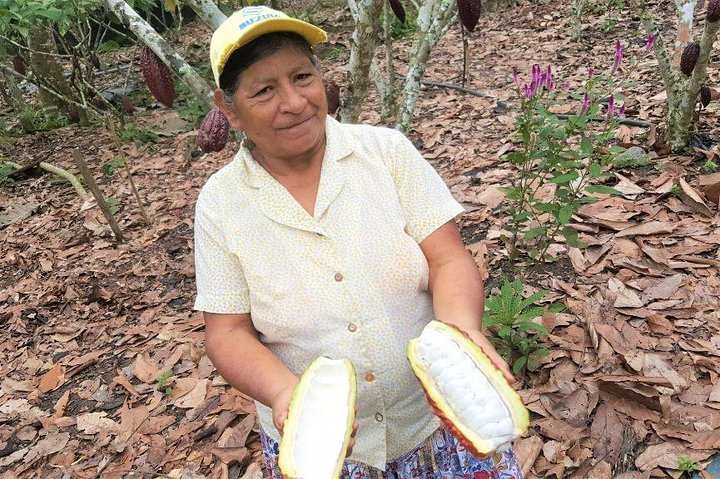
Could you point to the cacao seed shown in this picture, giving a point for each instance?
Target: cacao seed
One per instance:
(19, 65)
(158, 77)
(469, 12)
(332, 92)
(689, 58)
(705, 96)
(213, 132)
(398, 10)
(712, 11)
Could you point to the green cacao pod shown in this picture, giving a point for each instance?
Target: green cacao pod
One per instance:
(689, 58)
(398, 10)
(469, 393)
(318, 428)
(213, 131)
(712, 11)
(469, 12)
(705, 95)
(19, 65)
(158, 77)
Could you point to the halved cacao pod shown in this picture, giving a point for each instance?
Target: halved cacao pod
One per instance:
(319, 425)
(712, 11)
(158, 77)
(398, 10)
(477, 403)
(469, 12)
(689, 58)
(213, 131)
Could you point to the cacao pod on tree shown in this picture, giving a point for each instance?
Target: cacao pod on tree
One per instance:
(332, 92)
(73, 113)
(689, 58)
(213, 132)
(712, 11)
(469, 12)
(19, 65)
(127, 104)
(705, 96)
(398, 10)
(158, 77)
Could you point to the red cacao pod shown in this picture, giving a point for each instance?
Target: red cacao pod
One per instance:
(332, 92)
(705, 95)
(398, 10)
(712, 11)
(73, 113)
(19, 65)
(213, 132)
(158, 77)
(469, 12)
(689, 58)
(127, 104)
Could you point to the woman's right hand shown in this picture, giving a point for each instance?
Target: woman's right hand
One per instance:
(280, 405)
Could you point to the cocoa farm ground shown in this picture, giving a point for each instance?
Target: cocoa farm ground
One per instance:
(89, 326)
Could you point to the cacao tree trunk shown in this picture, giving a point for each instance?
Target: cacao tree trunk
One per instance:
(46, 69)
(434, 18)
(577, 7)
(362, 48)
(17, 102)
(162, 49)
(208, 12)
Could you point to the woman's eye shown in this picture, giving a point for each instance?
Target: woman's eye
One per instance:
(263, 91)
(304, 76)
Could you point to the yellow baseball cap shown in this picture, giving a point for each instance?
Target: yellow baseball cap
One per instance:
(247, 24)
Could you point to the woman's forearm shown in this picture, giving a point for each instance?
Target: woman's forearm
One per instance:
(243, 361)
(457, 291)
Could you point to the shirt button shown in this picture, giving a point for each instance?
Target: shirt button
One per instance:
(352, 327)
(338, 277)
(369, 377)
(378, 417)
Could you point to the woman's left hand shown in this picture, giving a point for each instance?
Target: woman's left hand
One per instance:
(479, 338)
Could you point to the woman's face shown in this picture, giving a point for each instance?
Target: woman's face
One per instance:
(280, 104)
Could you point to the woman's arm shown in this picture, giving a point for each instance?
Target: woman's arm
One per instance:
(232, 345)
(457, 288)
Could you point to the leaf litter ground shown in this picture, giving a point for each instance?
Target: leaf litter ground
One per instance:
(103, 372)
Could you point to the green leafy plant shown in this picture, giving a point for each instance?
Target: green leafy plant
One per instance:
(509, 316)
(5, 171)
(113, 204)
(401, 30)
(687, 465)
(163, 383)
(45, 119)
(709, 166)
(141, 136)
(111, 166)
(560, 160)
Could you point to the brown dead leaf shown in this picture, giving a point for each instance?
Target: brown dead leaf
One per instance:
(51, 379)
(693, 199)
(607, 430)
(560, 430)
(526, 451)
(192, 398)
(94, 422)
(710, 186)
(491, 197)
(49, 445)
(666, 454)
(144, 369)
(625, 297)
(656, 366)
(253, 472)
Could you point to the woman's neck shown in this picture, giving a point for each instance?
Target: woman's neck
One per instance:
(294, 169)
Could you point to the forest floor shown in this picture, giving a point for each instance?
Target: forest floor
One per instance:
(102, 367)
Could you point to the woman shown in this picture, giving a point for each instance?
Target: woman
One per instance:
(321, 238)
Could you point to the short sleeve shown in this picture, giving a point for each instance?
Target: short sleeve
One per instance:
(425, 199)
(219, 278)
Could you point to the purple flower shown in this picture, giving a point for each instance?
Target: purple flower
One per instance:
(585, 104)
(651, 39)
(515, 75)
(618, 56)
(590, 73)
(611, 106)
(621, 111)
(549, 79)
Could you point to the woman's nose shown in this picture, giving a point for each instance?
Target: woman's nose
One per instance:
(292, 100)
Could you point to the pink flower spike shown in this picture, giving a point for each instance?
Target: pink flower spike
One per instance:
(590, 73)
(651, 39)
(621, 111)
(549, 79)
(611, 106)
(585, 104)
(528, 91)
(618, 56)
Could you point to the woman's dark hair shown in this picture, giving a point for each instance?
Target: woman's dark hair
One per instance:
(258, 49)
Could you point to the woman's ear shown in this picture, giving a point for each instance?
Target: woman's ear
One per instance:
(227, 110)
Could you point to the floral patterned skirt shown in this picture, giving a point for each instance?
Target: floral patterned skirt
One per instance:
(440, 456)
